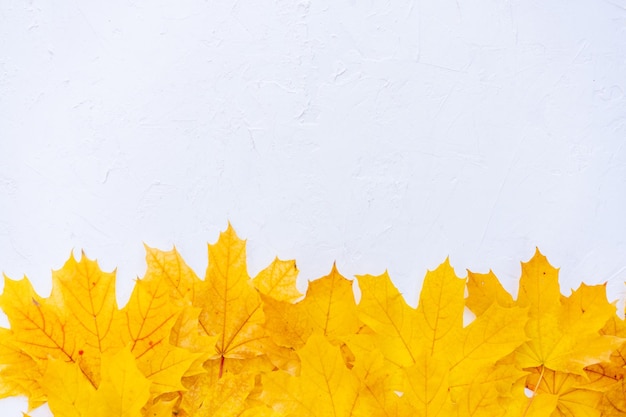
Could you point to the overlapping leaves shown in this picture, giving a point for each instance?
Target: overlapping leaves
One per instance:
(229, 345)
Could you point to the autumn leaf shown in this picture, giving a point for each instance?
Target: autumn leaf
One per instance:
(329, 306)
(69, 393)
(440, 310)
(564, 332)
(393, 321)
(379, 380)
(278, 281)
(571, 392)
(426, 385)
(166, 366)
(154, 306)
(122, 392)
(231, 307)
(170, 267)
(439, 356)
(614, 393)
(491, 336)
(19, 373)
(149, 316)
(230, 345)
(566, 351)
(227, 397)
(87, 295)
(285, 323)
(484, 290)
(491, 391)
(38, 326)
(219, 391)
(325, 386)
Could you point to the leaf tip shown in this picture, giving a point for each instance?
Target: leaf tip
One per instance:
(230, 230)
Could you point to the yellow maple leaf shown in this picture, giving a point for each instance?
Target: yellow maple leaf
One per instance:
(69, 392)
(426, 385)
(439, 322)
(440, 309)
(165, 366)
(19, 373)
(227, 397)
(330, 307)
(229, 345)
(613, 401)
(379, 380)
(164, 295)
(325, 386)
(231, 306)
(564, 332)
(149, 316)
(37, 325)
(123, 390)
(439, 356)
(564, 349)
(489, 392)
(278, 281)
(285, 323)
(494, 334)
(393, 321)
(87, 296)
(484, 290)
(218, 391)
(170, 267)
(571, 392)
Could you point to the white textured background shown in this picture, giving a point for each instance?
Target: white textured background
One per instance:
(382, 136)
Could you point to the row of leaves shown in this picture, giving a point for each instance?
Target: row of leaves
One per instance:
(229, 345)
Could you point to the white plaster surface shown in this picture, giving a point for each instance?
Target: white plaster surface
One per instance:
(380, 135)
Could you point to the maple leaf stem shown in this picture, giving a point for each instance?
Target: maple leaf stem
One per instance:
(221, 366)
(530, 401)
